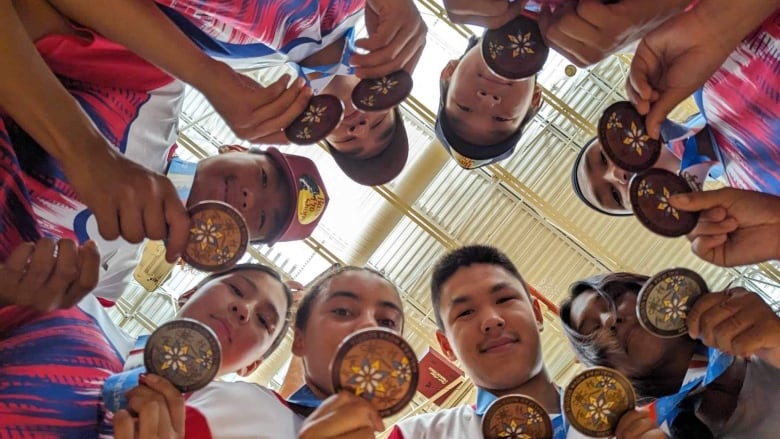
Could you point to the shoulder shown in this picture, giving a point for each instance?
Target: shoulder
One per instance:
(455, 422)
(223, 408)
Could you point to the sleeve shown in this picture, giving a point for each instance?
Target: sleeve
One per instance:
(115, 272)
(396, 433)
(195, 425)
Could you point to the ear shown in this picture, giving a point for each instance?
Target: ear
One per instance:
(232, 148)
(538, 313)
(248, 370)
(297, 344)
(448, 70)
(536, 101)
(445, 346)
(186, 296)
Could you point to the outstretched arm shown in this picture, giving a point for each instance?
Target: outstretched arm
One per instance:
(253, 112)
(35, 99)
(677, 58)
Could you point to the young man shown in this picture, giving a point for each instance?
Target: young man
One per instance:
(315, 40)
(53, 364)
(336, 305)
(481, 116)
(489, 322)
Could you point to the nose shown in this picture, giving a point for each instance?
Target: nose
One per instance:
(240, 311)
(487, 98)
(360, 127)
(617, 175)
(247, 199)
(492, 323)
(367, 320)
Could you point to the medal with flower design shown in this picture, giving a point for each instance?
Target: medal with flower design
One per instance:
(624, 139)
(663, 303)
(379, 366)
(378, 94)
(321, 116)
(516, 50)
(185, 352)
(218, 236)
(516, 417)
(596, 399)
(649, 192)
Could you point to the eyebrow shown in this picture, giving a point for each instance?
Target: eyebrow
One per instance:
(352, 296)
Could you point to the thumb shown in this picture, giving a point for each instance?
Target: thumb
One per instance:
(702, 200)
(667, 101)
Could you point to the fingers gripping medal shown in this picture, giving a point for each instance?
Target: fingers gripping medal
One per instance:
(516, 50)
(379, 366)
(321, 117)
(382, 93)
(185, 352)
(596, 399)
(516, 416)
(218, 236)
(663, 303)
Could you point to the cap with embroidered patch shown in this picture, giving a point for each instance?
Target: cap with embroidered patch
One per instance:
(308, 195)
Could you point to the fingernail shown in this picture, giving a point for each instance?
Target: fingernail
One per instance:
(143, 378)
(300, 82)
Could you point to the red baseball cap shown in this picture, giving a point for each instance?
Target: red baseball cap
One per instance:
(308, 195)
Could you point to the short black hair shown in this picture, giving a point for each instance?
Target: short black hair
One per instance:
(319, 284)
(465, 256)
(287, 293)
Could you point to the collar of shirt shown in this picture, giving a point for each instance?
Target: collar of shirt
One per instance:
(304, 397)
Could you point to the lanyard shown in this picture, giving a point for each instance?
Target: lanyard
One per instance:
(703, 370)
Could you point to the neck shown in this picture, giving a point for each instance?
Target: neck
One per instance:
(330, 54)
(668, 161)
(673, 368)
(540, 387)
(318, 391)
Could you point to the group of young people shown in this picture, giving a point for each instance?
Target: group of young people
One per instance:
(88, 144)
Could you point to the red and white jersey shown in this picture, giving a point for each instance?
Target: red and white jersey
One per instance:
(133, 104)
(239, 410)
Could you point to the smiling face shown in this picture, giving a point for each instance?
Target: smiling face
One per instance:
(605, 185)
(348, 302)
(489, 323)
(482, 107)
(252, 183)
(625, 345)
(246, 309)
(361, 135)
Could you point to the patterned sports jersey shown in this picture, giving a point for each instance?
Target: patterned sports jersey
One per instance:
(52, 367)
(134, 105)
(741, 103)
(256, 34)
